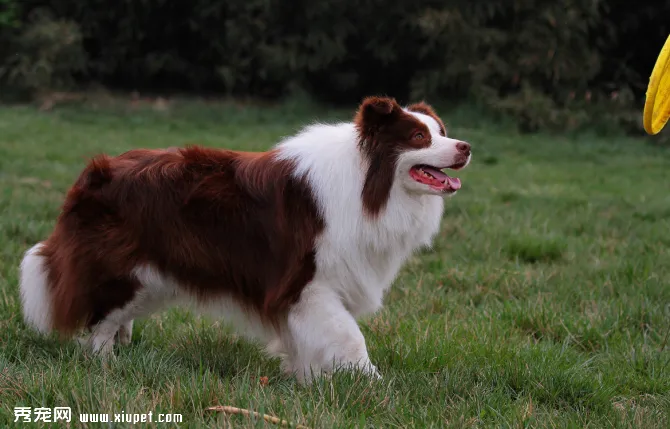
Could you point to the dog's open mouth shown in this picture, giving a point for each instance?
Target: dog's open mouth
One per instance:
(436, 178)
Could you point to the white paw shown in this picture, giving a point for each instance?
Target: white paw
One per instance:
(306, 376)
(374, 372)
(275, 348)
(83, 341)
(368, 369)
(95, 345)
(125, 333)
(286, 366)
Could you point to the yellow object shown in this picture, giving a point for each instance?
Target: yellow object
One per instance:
(657, 106)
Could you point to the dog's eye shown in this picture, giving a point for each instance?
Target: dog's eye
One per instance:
(418, 136)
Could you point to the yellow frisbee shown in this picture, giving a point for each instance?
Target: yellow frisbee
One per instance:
(657, 105)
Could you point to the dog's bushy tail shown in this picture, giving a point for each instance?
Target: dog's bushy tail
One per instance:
(36, 301)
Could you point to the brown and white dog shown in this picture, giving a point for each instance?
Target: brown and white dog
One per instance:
(291, 245)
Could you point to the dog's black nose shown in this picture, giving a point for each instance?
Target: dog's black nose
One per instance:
(463, 148)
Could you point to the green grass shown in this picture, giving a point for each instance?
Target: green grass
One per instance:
(545, 302)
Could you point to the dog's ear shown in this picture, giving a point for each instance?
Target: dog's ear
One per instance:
(427, 109)
(374, 112)
(422, 107)
(377, 107)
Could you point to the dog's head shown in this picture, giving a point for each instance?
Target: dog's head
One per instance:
(407, 146)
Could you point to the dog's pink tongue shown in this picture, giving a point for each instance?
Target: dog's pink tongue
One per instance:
(454, 182)
(439, 175)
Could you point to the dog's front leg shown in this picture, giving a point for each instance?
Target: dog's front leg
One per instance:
(324, 336)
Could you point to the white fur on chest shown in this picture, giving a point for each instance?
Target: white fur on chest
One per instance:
(357, 256)
(362, 262)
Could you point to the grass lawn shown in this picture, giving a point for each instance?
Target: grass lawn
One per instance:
(544, 303)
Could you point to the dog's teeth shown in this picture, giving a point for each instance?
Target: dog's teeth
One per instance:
(425, 174)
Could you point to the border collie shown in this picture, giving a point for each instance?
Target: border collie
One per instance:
(292, 245)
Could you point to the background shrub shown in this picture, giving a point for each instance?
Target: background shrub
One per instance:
(9, 12)
(48, 52)
(544, 62)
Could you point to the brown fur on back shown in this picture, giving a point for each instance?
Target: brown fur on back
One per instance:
(219, 222)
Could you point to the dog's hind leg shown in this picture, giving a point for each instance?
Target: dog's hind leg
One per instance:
(118, 323)
(149, 296)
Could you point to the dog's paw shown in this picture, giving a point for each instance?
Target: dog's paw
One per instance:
(275, 348)
(125, 333)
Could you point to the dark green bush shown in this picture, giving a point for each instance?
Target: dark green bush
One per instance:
(46, 53)
(528, 58)
(9, 22)
(9, 15)
(545, 62)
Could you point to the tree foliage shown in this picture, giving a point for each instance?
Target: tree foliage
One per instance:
(543, 61)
